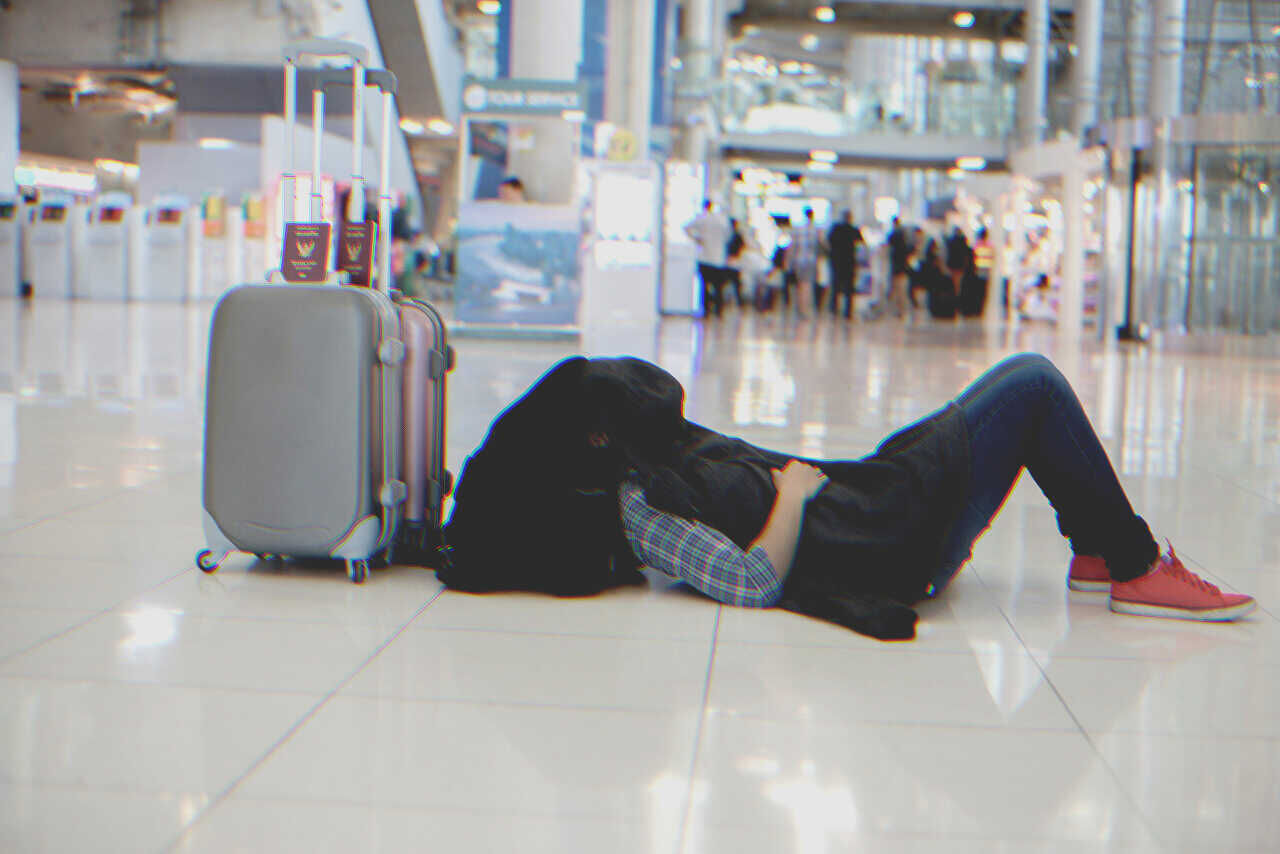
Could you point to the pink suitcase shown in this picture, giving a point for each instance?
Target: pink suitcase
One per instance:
(428, 360)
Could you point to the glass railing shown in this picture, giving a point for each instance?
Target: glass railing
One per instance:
(950, 99)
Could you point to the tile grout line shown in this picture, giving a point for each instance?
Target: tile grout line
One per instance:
(1115, 778)
(293, 728)
(697, 736)
(49, 517)
(1255, 493)
(89, 619)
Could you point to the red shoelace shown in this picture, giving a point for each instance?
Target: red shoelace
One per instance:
(1174, 567)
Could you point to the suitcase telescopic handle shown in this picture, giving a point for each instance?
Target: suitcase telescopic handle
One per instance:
(294, 53)
(386, 83)
(325, 49)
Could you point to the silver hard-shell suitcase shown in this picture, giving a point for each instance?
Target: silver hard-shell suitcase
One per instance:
(302, 425)
(302, 453)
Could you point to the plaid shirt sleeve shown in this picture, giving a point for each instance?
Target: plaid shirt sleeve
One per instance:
(697, 554)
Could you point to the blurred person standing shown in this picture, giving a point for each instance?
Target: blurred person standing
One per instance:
(710, 231)
(959, 258)
(842, 243)
(900, 249)
(802, 259)
(973, 291)
(733, 252)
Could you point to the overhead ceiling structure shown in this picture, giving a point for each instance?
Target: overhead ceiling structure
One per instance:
(1001, 18)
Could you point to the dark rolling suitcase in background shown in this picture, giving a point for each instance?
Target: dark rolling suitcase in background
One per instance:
(303, 420)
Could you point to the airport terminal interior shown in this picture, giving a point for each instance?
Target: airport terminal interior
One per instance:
(824, 221)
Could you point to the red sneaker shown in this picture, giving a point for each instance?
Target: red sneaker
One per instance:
(1089, 574)
(1172, 590)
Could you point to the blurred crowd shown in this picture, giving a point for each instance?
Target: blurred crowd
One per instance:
(809, 268)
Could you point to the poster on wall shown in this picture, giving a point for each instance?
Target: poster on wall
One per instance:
(519, 265)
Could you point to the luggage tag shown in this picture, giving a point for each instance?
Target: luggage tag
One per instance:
(306, 252)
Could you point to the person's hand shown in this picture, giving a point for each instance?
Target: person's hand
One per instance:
(799, 480)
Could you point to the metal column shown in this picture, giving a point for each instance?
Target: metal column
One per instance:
(1032, 118)
(1088, 15)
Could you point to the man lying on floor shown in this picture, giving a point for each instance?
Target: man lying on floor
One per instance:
(595, 472)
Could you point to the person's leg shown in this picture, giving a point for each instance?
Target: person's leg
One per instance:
(705, 278)
(1024, 414)
(803, 292)
(840, 278)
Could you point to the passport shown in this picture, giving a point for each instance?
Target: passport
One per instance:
(355, 251)
(306, 252)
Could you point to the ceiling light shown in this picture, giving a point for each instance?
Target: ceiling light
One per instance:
(809, 41)
(215, 142)
(971, 163)
(957, 174)
(440, 126)
(823, 155)
(412, 126)
(574, 115)
(489, 7)
(819, 166)
(789, 67)
(824, 14)
(963, 20)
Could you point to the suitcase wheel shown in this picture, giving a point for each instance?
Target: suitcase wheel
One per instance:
(206, 562)
(358, 571)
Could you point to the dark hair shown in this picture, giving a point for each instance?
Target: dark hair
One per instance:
(513, 182)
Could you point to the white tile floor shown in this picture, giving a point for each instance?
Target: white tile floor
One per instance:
(147, 707)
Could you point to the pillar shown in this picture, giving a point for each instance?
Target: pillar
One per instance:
(1031, 107)
(698, 72)
(1088, 17)
(1071, 302)
(1167, 299)
(999, 236)
(629, 68)
(8, 125)
(546, 44)
(1138, 52)
(1168, 39)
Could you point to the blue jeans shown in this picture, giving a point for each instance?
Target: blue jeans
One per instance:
(1024, 414)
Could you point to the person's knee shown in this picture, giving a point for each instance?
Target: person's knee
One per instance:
(1036, 365)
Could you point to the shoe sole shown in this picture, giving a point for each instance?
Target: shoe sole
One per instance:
(1082, 586)
(1208, 615)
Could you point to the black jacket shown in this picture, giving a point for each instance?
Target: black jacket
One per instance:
(537, 508)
